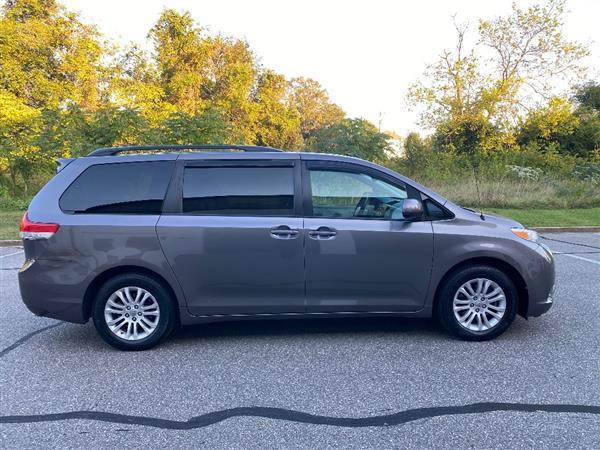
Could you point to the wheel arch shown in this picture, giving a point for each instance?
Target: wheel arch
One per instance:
(103, 277)
(508, 269)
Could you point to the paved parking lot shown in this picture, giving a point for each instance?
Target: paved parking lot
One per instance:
(342, 383)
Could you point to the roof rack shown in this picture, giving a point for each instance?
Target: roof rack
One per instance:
(111, 151)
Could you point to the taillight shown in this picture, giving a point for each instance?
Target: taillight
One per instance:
(36, 230)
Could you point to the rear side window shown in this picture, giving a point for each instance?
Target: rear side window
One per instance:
(253, 191)
(121, 188)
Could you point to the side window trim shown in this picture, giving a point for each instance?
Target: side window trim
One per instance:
(448, 215)
(173, 202)
(307, 165)
(175, 192)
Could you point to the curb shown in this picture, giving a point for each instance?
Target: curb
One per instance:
(567, 229)
(11, 243)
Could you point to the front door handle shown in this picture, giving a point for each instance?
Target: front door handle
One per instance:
(284, 232)
(322, 233)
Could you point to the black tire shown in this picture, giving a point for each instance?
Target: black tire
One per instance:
(445, 310)
(166, 321)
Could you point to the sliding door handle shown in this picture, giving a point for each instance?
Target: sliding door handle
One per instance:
(284, 232)
(322, 233)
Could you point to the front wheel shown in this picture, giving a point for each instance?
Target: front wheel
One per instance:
(133, 312)
(477, 303)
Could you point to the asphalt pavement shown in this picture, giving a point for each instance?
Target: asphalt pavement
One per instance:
(375, 383)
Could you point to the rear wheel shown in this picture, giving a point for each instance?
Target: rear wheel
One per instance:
(477, 303)
(133, 312)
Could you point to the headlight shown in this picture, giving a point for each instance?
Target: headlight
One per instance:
(524, 233)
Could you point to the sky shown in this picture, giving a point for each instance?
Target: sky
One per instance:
(365, 53)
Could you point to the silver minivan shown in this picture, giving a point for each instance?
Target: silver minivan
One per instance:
(145, 239)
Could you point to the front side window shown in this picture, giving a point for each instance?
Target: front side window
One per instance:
(120, 188)
(346, 195)
(252, 191)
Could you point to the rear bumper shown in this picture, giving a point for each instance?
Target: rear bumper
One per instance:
(52, 289)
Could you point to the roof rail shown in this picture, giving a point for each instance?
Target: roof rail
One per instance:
(111, 151)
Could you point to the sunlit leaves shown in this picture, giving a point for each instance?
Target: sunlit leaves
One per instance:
(474, 97)
(354, 137)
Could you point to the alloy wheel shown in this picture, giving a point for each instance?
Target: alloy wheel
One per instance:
(479, 304)
(132, 313)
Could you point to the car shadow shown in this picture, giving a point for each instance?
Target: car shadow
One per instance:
(299, 327)
(69, 336)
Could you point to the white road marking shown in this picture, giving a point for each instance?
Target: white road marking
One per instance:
(11, 254)
(582, 258)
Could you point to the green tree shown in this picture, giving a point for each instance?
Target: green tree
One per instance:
(199, 72)
(585, 141)
(137, 85)
(314, 106)
(588, 96)
(233, 75)
(49, 62)
(278, 121)
(18, 123)
(563, 127)
(205, 128)
(553, 123)
(477, 95)
(417, 153)
(48, 58)
(181, 56)
(355, 137)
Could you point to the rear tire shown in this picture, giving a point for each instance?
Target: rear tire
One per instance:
(477, 303)
(133, 312)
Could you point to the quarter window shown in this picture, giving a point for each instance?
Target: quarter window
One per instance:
(120, 188)
(253, 191)
(346, 195)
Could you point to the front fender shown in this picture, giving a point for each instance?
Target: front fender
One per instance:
(458, 241)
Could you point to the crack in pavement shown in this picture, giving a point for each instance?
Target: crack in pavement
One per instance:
(25, 338)
(211, 418)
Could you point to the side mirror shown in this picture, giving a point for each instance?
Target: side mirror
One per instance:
(412, 209)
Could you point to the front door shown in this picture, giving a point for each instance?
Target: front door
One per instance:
(361, 255)
(236, 245)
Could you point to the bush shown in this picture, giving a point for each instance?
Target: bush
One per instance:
(519, 177)
(11, 203)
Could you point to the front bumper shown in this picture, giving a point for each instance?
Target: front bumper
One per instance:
(537, 309)
(541, 287)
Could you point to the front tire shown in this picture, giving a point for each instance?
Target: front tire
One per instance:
(477, 303)
(133, 312)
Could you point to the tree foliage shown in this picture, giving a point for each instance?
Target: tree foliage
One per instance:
(475, 97)
(588, 96)
(314, 106)
(565, 127)
(49, 60)
(354, 137)
(64, 90)
(48, 56)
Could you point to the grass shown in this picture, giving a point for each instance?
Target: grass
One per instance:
(9, 224)
(9, 220)
(521, 194)
(552, 217)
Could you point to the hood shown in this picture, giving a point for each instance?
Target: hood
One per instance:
(501, 220)
(496, 219)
